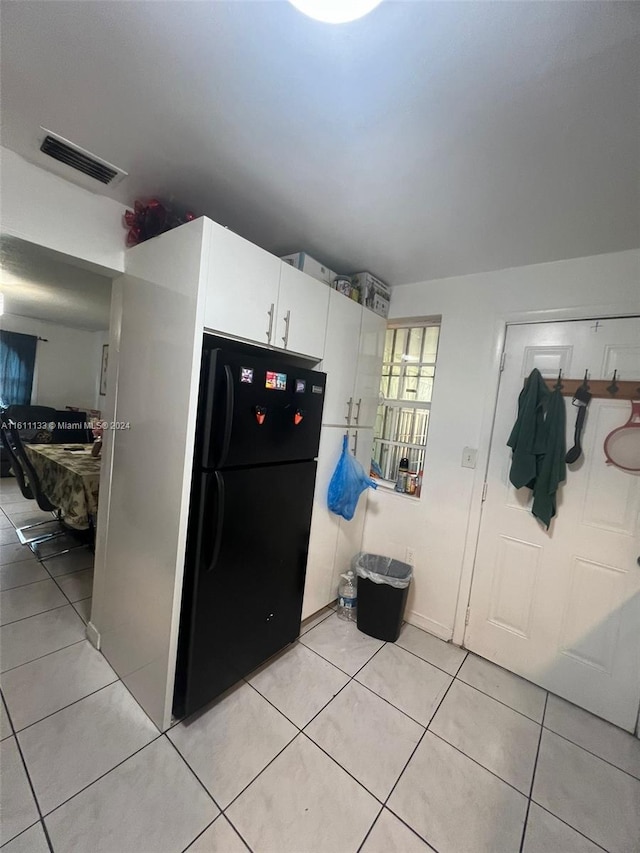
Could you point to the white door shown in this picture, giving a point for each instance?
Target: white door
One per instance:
(242, 288)
(301, 317)
(562, 607)
(341, 358)
(367, 388)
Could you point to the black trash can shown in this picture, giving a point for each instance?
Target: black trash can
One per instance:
(383, 587)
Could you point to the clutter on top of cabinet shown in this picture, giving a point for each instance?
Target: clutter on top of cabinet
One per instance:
(151, 218)
(374, 293)
(305, 263)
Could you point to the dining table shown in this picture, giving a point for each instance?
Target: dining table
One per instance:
(70, 478)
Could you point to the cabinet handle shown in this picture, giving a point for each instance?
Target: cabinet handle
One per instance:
(356, 417)
(270, 329)
(355, 442)
(285, 337)
(349, 409)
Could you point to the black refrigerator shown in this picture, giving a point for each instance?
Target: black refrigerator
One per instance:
(257, 438)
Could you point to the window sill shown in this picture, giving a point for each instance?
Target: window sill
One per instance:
(388, 487)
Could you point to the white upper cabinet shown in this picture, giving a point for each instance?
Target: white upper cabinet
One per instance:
(301, 316)
(366, 394)
(341, 358)
(242, 287)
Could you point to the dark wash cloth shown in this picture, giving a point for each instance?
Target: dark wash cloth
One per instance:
(538, 443)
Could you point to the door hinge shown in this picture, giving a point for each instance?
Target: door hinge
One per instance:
(484, 491)
(466, 616)
(502, 360)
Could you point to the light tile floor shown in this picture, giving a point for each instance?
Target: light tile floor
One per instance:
(339, 744)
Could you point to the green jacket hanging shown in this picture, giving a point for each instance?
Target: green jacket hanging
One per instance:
(538, 443)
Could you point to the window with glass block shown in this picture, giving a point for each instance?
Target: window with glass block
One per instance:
(406, 387)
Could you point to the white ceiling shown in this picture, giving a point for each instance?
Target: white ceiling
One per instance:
(36, 283)
(428, 139)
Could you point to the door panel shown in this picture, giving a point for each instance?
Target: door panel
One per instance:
(561, 607)
(242, 287)
(245, 571)
(247, 421)
(341, 357)
(305, 302)
(367, 387)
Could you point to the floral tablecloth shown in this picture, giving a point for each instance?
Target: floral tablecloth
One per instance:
(70, 479)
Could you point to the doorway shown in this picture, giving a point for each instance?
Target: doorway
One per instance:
(562, 607)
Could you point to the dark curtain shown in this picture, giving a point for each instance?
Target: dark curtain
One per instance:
(17, 362)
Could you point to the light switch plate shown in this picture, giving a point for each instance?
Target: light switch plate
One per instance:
(469, 457)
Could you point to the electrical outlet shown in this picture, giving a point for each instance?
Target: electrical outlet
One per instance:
(410, 556)
(469, 457)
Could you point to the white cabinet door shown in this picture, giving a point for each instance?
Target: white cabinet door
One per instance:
(301, 316)
(324, 527)
(242, 287)
(341, 357)
(367, 389)
(350, 532)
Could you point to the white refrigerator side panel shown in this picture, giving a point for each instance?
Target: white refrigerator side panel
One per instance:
(140, 558)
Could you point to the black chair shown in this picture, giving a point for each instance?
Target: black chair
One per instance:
(41, 499)
(34, 423)
(6, 442)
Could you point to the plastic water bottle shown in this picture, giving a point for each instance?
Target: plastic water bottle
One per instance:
(347, 597)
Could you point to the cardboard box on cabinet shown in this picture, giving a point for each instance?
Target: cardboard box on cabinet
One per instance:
(374, 293)
(305, 263)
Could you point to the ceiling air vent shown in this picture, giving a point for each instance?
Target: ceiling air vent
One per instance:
(79, 159)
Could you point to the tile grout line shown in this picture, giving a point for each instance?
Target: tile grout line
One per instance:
(594, 754)
(64, 707)
(102, 775)
(415, 749)
(533, 776)
(46, 655)
(504, 704)
(548, 811)
(370, 830)
(66, 576)
(40, 612)
(422, 736)
(475, 761)
(31, 786)
(199, 780)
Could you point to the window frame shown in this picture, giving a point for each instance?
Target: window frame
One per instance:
(404, 403)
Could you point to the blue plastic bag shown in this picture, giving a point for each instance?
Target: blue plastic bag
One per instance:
(347, 484)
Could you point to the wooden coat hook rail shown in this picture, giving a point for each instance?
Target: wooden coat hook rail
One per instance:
(604, 389)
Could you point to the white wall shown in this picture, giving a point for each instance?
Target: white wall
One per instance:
(474, 308)
(42, 208)
(67, 365)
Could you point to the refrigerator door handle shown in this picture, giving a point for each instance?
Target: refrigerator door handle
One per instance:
(228, 415)
(211, 545)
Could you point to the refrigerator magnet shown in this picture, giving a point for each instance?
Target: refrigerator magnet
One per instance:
(246, 374)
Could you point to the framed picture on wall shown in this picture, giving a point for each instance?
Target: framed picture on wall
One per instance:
(103, 370)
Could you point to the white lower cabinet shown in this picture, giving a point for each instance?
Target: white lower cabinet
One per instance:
(333, 541)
